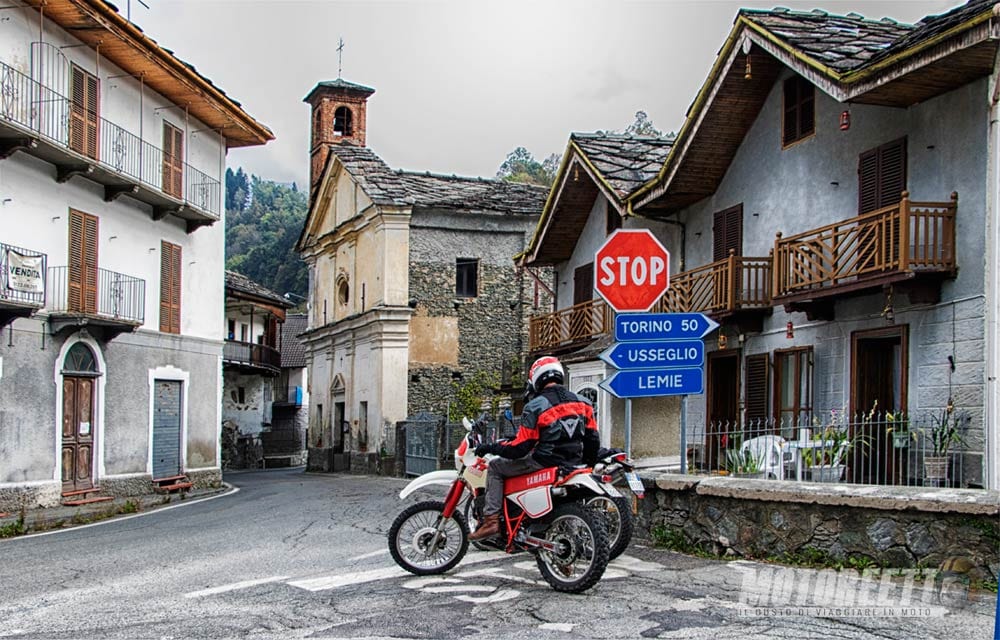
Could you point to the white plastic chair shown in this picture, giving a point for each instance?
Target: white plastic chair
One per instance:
(772, 454)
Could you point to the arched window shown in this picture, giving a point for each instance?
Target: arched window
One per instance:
(343, 293)
(80, 359)
(342, 122)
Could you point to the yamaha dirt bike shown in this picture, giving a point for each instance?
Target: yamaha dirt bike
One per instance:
(542, 514)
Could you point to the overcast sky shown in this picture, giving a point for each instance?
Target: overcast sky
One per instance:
(459, 84)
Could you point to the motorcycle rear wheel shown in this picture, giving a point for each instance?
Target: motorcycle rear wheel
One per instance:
(618, 514)
(582, 537)
(412, 535)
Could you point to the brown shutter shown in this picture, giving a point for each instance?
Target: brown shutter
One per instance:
(77, 111)
(868, 181)
(583, 283)
(727, 233)
(93, 117)
(173, 163)
(757, 386)
(170, 287)
(807, 108)
(82, 277)
(892, 172)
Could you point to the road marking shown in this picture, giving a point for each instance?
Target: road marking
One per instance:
(556, 626)
(233, 587)
(499, 596)
(346, 579)
(380, 552)
(458, 588)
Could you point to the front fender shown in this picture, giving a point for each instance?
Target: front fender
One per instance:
(445, 477)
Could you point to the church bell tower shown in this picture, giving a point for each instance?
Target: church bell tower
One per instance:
(339, 116)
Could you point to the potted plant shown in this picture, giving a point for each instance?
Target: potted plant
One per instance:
(945, 431)
(899, 430)
(742, 463)
(824, 461)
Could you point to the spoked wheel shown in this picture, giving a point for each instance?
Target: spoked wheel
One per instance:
(423, 542)
(618, 514)
(474, 505)
(581, 538)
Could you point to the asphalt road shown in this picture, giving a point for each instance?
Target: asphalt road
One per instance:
(295, 555)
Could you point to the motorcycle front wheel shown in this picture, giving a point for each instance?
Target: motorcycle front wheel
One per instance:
(581, 538)
(618, 514)
(425, 543)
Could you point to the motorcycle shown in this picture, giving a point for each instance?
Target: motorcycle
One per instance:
(543, 514)
(614, 465)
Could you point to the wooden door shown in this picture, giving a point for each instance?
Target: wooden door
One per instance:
(77, 434)
(84, 113)
(878, 385)
(82, 273)
(723, 404)
(173, 160)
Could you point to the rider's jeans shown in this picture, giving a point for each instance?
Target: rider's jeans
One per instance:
(501, 468)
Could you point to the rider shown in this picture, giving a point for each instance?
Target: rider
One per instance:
(557, 430)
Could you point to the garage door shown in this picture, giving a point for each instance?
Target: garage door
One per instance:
(166, 429)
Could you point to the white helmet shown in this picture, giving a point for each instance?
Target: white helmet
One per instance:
(545, 370)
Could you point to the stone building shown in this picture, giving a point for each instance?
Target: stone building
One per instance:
(413, 293)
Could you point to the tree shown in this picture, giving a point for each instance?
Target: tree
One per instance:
(261, 232)
(642, 126)
(521, 166)
(237, 190)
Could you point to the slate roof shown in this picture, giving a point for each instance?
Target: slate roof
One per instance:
(396, 187)
(293, 350)
(341, 84)
(625, 161)
(843, 43)
(930, 26)
(242, 284)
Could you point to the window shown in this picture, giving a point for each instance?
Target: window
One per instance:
(466, 280)
(613, 221)
(792, 388)
(343, 292)
(881, 176)
(799, 110)
(84, 113)
(583, 283)
(231, 331)
(82, 281)
(363, 426)
(727, 233)
(173, 160)
(170, 287)
(241, 395)
(342, 125)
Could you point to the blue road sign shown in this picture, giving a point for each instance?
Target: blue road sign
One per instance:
(643, 327)
(656, 354)
(641, 383)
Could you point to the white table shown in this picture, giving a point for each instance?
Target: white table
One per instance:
(800, 445)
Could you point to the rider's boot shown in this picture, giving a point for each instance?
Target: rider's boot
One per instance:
(488, 527)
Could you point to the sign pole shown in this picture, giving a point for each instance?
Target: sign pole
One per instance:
(628, 427)
(684, 411)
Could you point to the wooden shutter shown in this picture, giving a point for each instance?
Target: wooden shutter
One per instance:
(727, 232)
(881, 176)
(583, 283)
(82, 277)
(757, 386)
(173, 160)
(170, 287)
(84, 121)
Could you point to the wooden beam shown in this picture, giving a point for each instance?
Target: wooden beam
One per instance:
(67, 171)
(8, 147)
(113, 192)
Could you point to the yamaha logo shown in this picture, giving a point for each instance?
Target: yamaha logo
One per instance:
(537, 477)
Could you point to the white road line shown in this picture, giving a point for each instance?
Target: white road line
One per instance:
(233, 587)
(500, 596)
(458, 588)
(380, 552)
(556, 626)
(322, 583)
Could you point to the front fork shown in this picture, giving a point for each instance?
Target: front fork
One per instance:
(450, 504)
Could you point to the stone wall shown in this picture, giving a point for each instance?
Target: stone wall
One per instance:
(893, 527)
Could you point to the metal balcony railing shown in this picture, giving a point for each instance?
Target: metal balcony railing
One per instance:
(90, 291)
(251, 354)
(904, 238)
(22, 276)
(45, 112)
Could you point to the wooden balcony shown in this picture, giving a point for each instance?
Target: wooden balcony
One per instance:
(568, 328)
(736, 289)
(250, 357)
(910, 245)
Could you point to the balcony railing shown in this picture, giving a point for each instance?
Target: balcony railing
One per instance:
(43, 111)
(731, 284)
(22, 276)
(87, 290)
(580, 322)
(252, 355)
(901, 239)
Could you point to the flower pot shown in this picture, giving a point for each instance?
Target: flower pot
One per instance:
(936, 467)
(826, 472)
(900, 439)
(760, 475)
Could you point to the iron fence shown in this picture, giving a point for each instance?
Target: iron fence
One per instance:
(250, 353)
(12, 288)
(90, 290)
(46, 112)
(929, 450)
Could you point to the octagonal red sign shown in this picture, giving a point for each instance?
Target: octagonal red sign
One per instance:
(631, 270)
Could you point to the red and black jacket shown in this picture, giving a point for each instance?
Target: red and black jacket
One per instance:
(557, 428)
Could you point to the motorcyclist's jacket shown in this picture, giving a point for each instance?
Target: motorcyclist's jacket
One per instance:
(558, 430)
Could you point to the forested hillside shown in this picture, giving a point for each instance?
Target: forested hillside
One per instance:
(263, 222)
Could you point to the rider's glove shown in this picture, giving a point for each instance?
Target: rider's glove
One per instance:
(483, 449)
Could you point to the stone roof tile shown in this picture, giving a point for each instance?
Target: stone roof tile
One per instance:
(241, 284)
(626, 162)
(293, 350)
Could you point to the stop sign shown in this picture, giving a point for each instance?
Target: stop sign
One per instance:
(632, 270)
